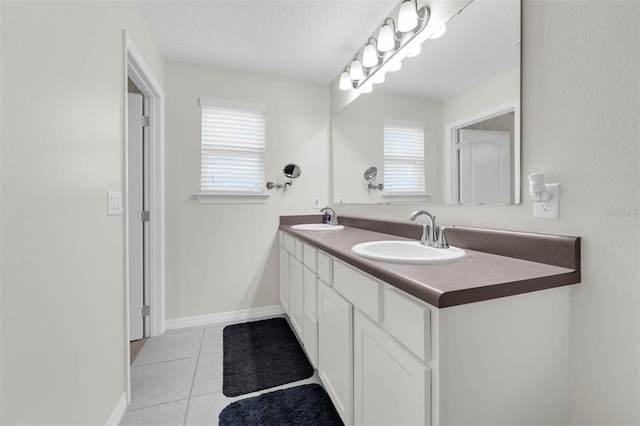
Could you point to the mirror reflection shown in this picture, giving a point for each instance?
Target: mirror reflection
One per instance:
(370, 176)
(446, 127)
(291, 171)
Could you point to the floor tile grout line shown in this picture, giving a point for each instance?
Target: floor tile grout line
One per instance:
(165, 361)
(130, 410)
(195, 371)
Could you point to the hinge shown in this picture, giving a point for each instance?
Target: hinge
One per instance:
(458, 146)
(146, 311)
(145, 121)
(145, 215)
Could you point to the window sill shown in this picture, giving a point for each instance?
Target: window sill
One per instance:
(222, 198)
(406, 198)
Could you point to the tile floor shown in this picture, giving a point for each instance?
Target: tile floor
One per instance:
(176, 379)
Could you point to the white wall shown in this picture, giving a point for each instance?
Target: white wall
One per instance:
(496, 91)
(62, 257)
(223, 257)
(580, 109)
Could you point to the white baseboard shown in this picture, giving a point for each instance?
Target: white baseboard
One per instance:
(246, 314)
(118, 411)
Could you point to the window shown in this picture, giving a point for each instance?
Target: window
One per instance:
(404, 172)
(232, 158)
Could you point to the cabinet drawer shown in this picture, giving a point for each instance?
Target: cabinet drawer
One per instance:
(325, 267)
(408, 321)
(359, 288)
(280, 238)
(310, 257)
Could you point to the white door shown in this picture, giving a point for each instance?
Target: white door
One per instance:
(485, 167)
(135, 205)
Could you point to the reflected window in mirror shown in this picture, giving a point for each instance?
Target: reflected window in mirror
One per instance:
(404, 169)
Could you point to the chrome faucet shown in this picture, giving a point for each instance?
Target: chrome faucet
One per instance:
(333, 216)
(432, 235)
(427, 229)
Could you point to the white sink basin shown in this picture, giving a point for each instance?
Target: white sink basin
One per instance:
(317, 227)
(406, 252)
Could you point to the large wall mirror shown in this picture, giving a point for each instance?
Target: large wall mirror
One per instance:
(445, 128)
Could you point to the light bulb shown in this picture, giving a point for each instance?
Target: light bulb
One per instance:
(386, 38)
(407, 16)
(415, 51)
(345, 81)
(370, 56)
(439, 32)
(356, 70)
(396, 66)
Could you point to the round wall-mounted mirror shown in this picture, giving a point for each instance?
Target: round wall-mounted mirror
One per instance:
(370, 174)
(291, 171)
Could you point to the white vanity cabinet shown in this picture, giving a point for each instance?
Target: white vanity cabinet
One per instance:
(386, 357)
(298, 291)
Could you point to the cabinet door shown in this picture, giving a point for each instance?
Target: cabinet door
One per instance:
(391, 385)
(310, 311)
(295, 295)
(335, 349)
(284, 279)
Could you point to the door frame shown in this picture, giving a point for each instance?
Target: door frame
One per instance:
(136, 69)
(452, 195)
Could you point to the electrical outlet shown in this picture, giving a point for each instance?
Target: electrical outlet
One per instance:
(549, 209)
(316, 202)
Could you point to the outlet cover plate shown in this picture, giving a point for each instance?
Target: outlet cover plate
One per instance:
(549, 209)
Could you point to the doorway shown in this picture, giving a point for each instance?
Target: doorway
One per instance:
(483, 157)
(150, 199)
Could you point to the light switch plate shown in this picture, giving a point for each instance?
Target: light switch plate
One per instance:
(114, 203)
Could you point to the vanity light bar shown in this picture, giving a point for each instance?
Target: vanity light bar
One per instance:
(385, 53)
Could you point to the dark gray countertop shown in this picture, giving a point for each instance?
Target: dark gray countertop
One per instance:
(477, 276)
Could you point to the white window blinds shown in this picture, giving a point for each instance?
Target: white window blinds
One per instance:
(404, 158)
(232, 159)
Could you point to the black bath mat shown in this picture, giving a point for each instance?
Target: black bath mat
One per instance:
(300, 405)
(260, 355)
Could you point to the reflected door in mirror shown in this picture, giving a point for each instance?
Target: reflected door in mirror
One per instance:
(485, 167)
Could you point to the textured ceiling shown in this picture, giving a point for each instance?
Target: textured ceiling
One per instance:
(302, 39)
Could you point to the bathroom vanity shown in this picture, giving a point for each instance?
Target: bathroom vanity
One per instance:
(479, 340)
